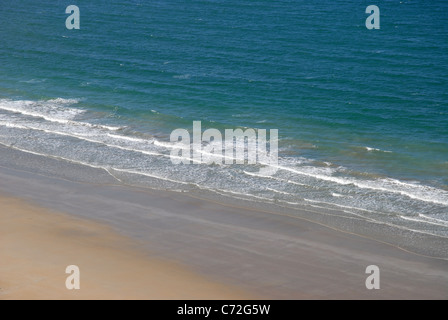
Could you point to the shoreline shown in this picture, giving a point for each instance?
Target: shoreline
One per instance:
(37, 245)
(277, 256)
(411, 240)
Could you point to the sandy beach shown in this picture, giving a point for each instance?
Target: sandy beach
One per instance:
(141, 243)
(37, 245)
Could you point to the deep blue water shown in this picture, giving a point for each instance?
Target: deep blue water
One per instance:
(362, 114)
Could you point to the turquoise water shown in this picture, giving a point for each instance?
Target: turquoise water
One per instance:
(362, 115)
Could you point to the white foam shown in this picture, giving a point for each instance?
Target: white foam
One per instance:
(171, 145)
(87, 137)
(274, 178)
(376, 150)
(424, 221)
(59, 112)
(11, 125)
(151, 176)
(57, 108)
(127, 138)
(245, 194)
(421, 193)
(278, 191)
(433, 219)
(64, 101)
(339, 205)
(52, 111)
(337, 195)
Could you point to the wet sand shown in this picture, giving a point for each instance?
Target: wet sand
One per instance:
(249, 252)
(37, 245)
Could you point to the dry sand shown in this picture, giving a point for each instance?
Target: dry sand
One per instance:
(37, 245)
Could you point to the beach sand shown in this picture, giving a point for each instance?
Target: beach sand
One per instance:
(141, 243)
(37, 245)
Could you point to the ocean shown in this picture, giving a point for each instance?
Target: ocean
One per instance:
(362, 114)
